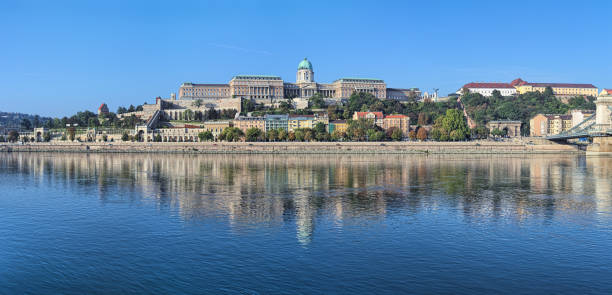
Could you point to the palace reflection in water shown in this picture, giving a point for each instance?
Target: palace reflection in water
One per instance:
(274, 190)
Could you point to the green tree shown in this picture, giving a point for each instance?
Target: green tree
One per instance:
(13, 136)
(26, 124)
(316, 101)
(299, 134)
(231, 134)
(282, 134)
(338, 135)
(309, 135)
(93, 122)
(71, 133)
(548, 92)
(272, 135)
(254, 134)
(454, 121)
(247, 106)
(197, 103)
(206, 136)
(285, 106)
(188, 115)
(375, 135)
(423, 119)
(358, 100)
(581, 103)
(457, 135)
(358, 129)
(480, 132)
(495, 94)
(125, 136)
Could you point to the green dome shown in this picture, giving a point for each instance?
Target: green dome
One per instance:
(305, 64)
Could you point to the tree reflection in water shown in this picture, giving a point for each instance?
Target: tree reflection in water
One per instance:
(255, 190)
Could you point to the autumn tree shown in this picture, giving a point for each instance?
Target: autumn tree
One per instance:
(412, 135)
(421, 134)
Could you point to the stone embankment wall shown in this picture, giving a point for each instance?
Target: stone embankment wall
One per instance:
(601, 145)
(295, 147)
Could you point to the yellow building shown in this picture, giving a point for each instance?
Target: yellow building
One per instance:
(559, 89)
(216, 127)
(300, 121)
(340, 125)
(402, 122)
(244, 123)
(544, 125)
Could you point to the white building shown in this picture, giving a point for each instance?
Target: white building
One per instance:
(486, 89)
(580, 115)
(271, 89)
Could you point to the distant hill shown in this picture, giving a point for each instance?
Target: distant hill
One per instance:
(14, 119)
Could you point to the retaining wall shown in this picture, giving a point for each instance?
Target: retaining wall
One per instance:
(294, 147)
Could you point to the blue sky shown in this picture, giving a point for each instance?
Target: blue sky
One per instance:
(59, 57)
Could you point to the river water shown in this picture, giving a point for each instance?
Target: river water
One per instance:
(295, 224)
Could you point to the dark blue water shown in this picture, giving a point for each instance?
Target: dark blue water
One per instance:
(134, 224)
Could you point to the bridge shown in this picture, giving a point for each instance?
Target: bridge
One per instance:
(598, 127)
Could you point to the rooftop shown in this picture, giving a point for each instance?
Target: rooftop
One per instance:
(517, 82)
(360, 80)
(256, 77)
(303, 117)
(189, 84)
(506, 121)
(554, 116)
(396, 116)
(363, 114)
(403, 89)
(561, 85)
(305, 65)
(488, 85)
(276, 117)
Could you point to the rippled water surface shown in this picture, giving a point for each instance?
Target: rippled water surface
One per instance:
(229, 224)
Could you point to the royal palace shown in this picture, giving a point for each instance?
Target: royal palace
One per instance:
(268, 89)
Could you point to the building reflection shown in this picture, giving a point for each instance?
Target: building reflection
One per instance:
(300, 190)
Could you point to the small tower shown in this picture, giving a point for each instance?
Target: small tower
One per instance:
(305, 74)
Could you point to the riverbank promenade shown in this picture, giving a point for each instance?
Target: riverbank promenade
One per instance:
(472, 147)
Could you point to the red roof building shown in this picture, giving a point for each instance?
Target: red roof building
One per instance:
(487, 88)
(487, 85)
(103, 109)
(376, 116)
(367, 115)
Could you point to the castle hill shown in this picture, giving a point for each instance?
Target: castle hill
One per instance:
(266, 114)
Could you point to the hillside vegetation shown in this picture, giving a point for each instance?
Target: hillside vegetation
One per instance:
(521, 107)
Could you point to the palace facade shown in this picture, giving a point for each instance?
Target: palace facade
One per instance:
(272, 88)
